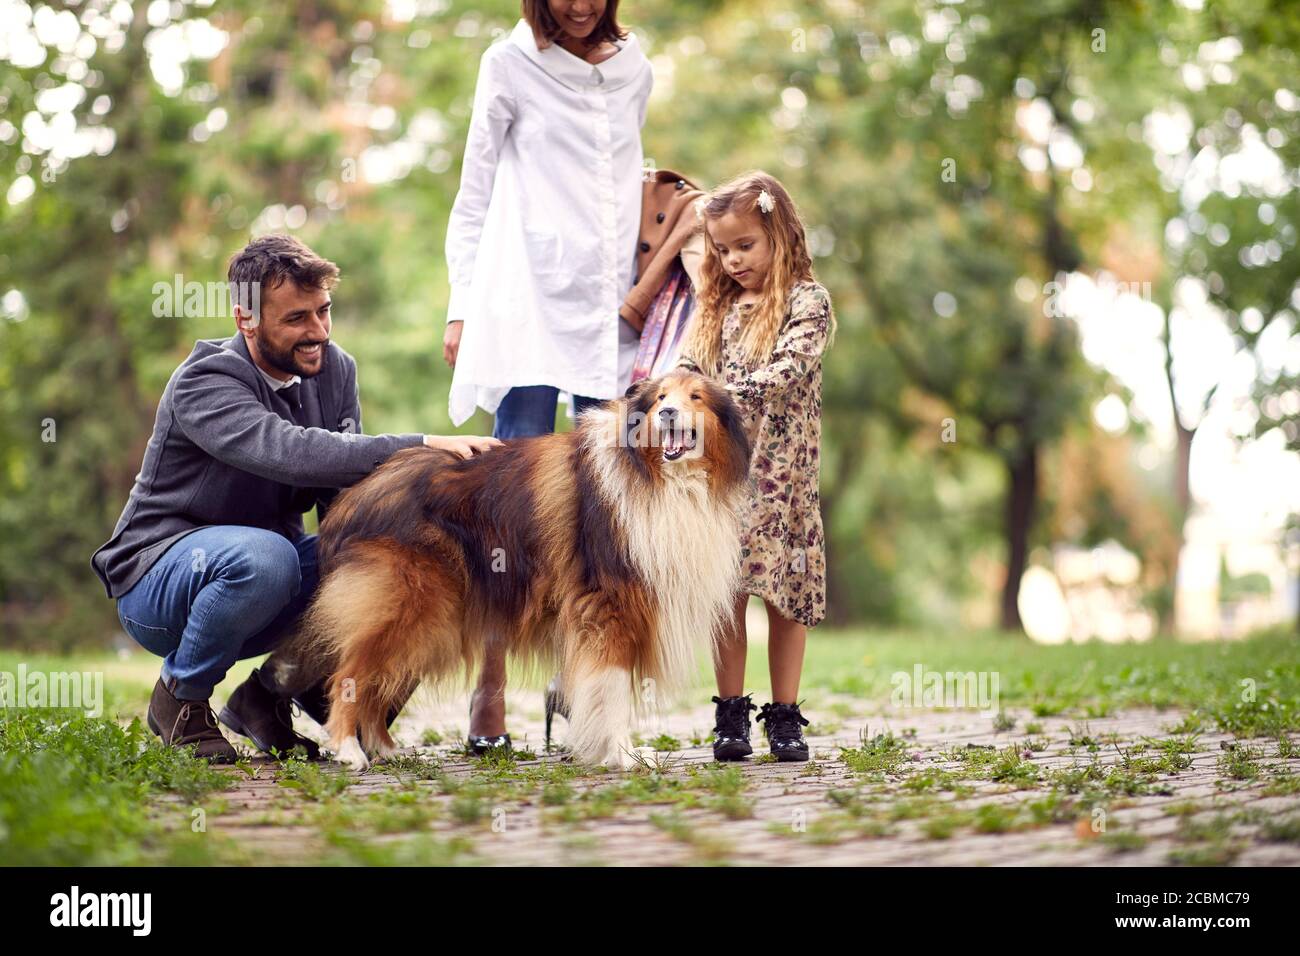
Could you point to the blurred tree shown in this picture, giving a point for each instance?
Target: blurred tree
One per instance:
(950, 224)
(1205, 126)
(194, 127)
(952, 161)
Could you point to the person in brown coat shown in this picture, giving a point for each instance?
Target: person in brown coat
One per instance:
(668, 224)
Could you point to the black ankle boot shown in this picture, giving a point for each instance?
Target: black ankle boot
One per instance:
(731, 728)
(784, 725)
(266, 719)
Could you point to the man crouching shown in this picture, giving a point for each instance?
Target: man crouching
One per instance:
(209, 561)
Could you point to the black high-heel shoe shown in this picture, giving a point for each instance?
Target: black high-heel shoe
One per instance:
(555, 704)
(480, 746)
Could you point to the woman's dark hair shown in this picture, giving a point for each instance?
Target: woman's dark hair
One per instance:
(547, 30)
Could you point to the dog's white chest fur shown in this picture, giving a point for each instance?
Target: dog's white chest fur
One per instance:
(686, 547)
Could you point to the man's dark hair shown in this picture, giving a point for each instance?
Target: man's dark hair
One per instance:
(268, 261)
(546, 30)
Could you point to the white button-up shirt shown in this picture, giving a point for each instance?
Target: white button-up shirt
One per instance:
(542, 239)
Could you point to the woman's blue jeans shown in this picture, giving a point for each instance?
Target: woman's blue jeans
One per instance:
(530, 410)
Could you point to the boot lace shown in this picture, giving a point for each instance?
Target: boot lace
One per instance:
(188, 734)
(782, 722)
(733, 716)
(284, 708)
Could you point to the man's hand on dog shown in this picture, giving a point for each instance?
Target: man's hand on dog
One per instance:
(463, 446)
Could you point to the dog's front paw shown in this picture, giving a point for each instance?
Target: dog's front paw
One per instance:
(352, 755)
(621, 755)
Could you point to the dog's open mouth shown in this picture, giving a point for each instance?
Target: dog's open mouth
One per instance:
(677, 442)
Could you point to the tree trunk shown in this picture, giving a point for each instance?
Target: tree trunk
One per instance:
(1183, 508)
(1022, 498)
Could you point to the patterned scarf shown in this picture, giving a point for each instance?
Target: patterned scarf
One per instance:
(665, 325)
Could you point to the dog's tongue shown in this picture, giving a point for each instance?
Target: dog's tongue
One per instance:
(677, 443)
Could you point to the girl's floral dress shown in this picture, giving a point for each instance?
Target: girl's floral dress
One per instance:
(783, 557)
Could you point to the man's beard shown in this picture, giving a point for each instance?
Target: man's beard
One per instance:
(287, 360)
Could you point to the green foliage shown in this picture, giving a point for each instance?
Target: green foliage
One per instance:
(1071, 678)
(77, 790)
(344, 123)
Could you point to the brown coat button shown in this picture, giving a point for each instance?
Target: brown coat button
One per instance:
(645, 247)
(659, 217)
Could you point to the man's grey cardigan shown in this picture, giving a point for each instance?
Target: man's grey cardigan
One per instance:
(228, 450)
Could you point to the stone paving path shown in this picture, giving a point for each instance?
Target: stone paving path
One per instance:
(798, 810)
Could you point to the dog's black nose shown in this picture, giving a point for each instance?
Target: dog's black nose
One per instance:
(667, 416)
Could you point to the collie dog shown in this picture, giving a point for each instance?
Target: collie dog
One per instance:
(611, 552)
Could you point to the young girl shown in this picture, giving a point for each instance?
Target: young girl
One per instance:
(542, 238)
(760, 327)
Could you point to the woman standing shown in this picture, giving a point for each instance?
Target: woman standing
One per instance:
(542, 238)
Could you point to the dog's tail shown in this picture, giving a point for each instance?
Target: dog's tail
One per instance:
(388, 616)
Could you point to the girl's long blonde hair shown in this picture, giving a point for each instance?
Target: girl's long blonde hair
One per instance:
(718, 290)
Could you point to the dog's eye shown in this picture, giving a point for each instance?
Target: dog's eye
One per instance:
(661, 396)
(695, 396)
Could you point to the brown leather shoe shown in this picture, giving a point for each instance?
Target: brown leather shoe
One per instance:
(181, 723)
(266, 719)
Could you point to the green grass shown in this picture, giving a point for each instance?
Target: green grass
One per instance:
(75, 790)
(1282, 829)
(1085, 680)
(883, 754)
(1241, 762)
(82, 791)
(1081, 680)
(311, 780)
(1122, 841)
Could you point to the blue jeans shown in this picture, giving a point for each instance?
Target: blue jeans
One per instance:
(530, 410)
(220, 594)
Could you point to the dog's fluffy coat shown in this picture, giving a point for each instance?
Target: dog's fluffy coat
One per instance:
(611, 551)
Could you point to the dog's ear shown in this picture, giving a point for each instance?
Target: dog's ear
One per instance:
(732, 423)
(635, 388)
(637, 391)
(633, 438)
